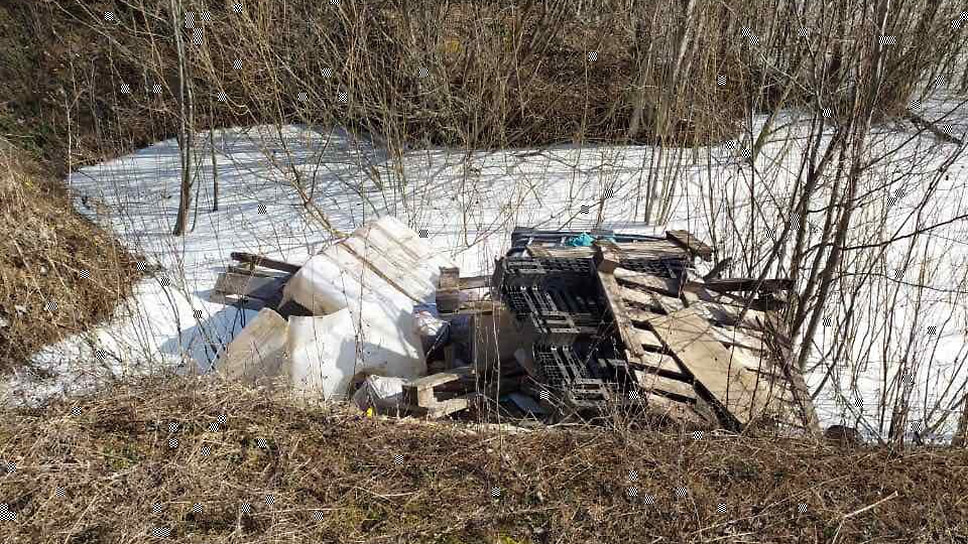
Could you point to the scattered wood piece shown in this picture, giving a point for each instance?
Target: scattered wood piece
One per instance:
(420, 397)
(689, 242)
(264, 262)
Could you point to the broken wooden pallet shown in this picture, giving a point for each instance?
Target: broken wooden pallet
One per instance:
(249, 290)
(686, 335)
(256, 283)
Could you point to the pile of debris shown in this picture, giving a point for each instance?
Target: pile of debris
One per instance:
(571, 324)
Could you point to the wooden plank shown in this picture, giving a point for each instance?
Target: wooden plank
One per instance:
(665, 286)
(433, 380)
(641, 298)
(563, 252)
(538, 251)
(728, 315)
(607, 257)
(650, 381)
(249, 270)
(686, 335)
(688, 241)
(749, 284)
(264, 262)
(653, 249)
(637, 315)
(442, 408)
(419, 394)
(616, 307)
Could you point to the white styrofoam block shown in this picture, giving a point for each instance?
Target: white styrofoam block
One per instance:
(322, 354)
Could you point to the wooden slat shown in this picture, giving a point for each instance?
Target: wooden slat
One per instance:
(654, 249)
(686, 335)
(729, 315)
(661, 363)
(564, 252)
(651, 381)
(616, 306)
(665, 286)
(538, 251)
(748, 284)
(641, 298)
(637, 315)
(248, 270)
(647, 338)
(419, 394)
(264, 262)
(433, 380)
(690, 242)
(739, 337)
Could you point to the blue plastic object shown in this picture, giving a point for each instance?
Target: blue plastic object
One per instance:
(582, 240)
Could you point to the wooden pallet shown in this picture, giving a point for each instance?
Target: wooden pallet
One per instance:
(255, 283)
(702, 345)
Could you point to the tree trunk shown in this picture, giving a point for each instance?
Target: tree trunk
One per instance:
(185, 135)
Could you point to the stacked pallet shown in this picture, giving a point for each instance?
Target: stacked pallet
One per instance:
(635, 323)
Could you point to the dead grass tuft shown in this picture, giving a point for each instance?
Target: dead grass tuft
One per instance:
(184, 456)
(58, 272)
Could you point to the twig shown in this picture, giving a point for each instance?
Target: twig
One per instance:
(857, 512)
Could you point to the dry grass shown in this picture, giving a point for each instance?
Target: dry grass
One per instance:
(59, 273)
(113, 467)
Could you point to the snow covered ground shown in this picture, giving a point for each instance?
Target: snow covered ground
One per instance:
(467, 204)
